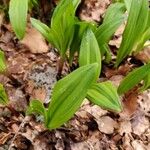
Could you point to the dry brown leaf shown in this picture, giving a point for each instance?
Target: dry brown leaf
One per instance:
(17, 99)
(4, 137)
(1, 18)
(96, 111)
(140, 124)
(18, 64)
(93, 10)
(35, 41)
(106, 124)
(125, 127)
(144, 55)
(39, 94)
(127, 142)
(138, 145)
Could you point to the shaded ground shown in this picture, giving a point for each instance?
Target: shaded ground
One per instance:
(32, 74)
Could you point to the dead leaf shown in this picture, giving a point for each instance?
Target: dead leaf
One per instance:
(35, 41)
(106, 124)
(125, 127)
(39, 93)
(140, 124)
(4, 137)
(17, 99)
(96, 111)
(138, 145)
(144, 55)
(1, 18)
(93, 10)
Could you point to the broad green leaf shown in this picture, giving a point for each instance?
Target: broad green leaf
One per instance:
(63, 25)
(133, 78)
(42, 28)
(136, 26)
(37, 107)
(114, 17)
(80, 28)
(146, 83)
(3, 66)
(69, 93)
(18, 16)
(60, 9)
(89, 50)
(145, 37)
(3, 95)
(105, 95)
(76, 4)
(128, 4)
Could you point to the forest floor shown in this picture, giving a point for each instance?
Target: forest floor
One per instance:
(32, 75)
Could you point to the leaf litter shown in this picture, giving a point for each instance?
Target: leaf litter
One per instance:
(91, 128)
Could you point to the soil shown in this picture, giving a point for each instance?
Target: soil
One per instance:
(32, 75)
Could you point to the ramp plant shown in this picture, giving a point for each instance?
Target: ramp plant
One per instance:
(137, 30)
(69, 92)
(18, 10)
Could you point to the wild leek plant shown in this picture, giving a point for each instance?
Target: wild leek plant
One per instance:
(18, 10)
(135, 77)
(137, 30)
(61, 31)
(69, 92)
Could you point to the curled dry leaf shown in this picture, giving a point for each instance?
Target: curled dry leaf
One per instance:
(144, 55)
(35, 41)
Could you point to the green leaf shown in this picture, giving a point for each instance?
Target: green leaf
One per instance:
(133, 78)
(3, 66)
(37, 107)
(105, 95)
(18, 16)
(69, 93)
(146, 83)
(145, 37)
(128, 4)
(114, 17)
(80, 28)
(3, 95)
(41, 27)
(61, 31)
(63, 25)
(136, 26)
(89, 51)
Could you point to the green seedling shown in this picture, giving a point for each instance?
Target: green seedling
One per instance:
(80, 28)
(18, 10)
(113, 18)
(137, 30)
(61, 31)
(68, 94)
(135, 77)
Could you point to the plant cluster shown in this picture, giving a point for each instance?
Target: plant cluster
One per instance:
(69, 35)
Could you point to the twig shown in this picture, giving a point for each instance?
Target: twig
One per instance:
(22, 123)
